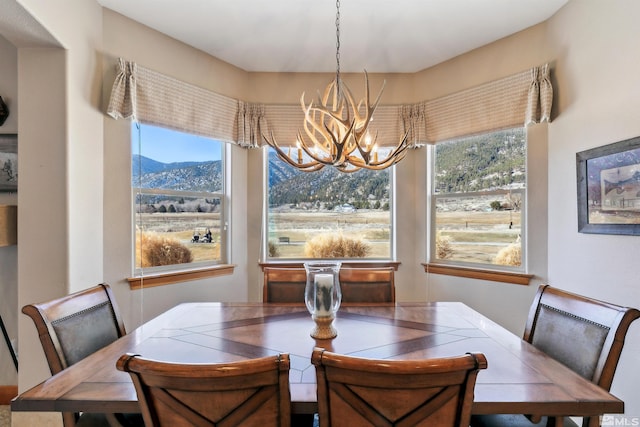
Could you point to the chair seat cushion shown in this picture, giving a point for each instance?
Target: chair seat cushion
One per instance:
(510, 420)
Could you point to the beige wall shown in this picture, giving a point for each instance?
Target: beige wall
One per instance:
(598, 67)
(502, 58)
(286, 88)
(135, 42)
(590, 44)
(42, 262)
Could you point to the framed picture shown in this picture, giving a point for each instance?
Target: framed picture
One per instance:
(609, 188)
(8, 162)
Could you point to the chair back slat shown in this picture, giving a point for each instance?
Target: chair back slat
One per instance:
(246, 393)
(284, 285)
(358, 285)
(367, 285)
(355, 391)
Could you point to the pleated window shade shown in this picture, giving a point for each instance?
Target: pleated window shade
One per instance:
(157, 99)
(285, 121)
(496, 105)
(154, 98)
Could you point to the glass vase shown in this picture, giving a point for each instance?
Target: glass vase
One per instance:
(323, 296)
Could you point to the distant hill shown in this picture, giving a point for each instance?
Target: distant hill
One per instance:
(291, 186)
(148, 165)
(500, 163)
(185, 176)
(482, 163)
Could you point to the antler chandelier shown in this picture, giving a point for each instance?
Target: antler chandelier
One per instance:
(337, 129)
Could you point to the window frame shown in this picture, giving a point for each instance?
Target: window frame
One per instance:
(494, 272)
(172, 273)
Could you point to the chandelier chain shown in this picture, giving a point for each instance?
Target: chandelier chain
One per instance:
(337, 129)
(338, 41)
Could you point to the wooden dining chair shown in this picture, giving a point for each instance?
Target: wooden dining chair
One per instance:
(358, 285)
(284, 285)
(585, 334)
(248, 393)
(368, 285)
(71, 328)
(355, 392)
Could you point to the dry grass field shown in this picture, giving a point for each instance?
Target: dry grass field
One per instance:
(479, 236)
(299, 226)
(475, 236)
(182, 226)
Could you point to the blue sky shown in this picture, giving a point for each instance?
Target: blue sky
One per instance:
(168, 146)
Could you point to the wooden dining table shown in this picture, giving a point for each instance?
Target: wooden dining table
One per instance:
(519, 379)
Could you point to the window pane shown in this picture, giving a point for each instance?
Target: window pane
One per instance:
(177, 182)
(479, 229)
(484, 162)
(175, 160)
(172, 230)
(328, 214)
(479, 192)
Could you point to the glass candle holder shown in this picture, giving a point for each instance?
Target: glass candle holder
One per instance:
(322, 295)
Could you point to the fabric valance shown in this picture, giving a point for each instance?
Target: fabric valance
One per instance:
(151, 97)
(500, 104)
(284, 121)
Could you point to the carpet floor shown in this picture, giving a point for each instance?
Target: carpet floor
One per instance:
(5, 416)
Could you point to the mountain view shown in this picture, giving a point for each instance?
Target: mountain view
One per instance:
(185, 176)
(473, 164)
(485, 162)
(289, 186)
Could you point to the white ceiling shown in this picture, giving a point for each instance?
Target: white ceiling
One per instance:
(21, 29)
(300, 35)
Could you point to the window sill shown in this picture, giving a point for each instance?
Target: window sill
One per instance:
(180, 276)
(348, 264)
(481, 274)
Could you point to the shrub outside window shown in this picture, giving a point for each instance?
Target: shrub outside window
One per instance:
(177, 183)
(327, 213)
(477, 202)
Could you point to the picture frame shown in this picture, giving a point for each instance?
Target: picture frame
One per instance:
(8, 162)
(608, 179)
